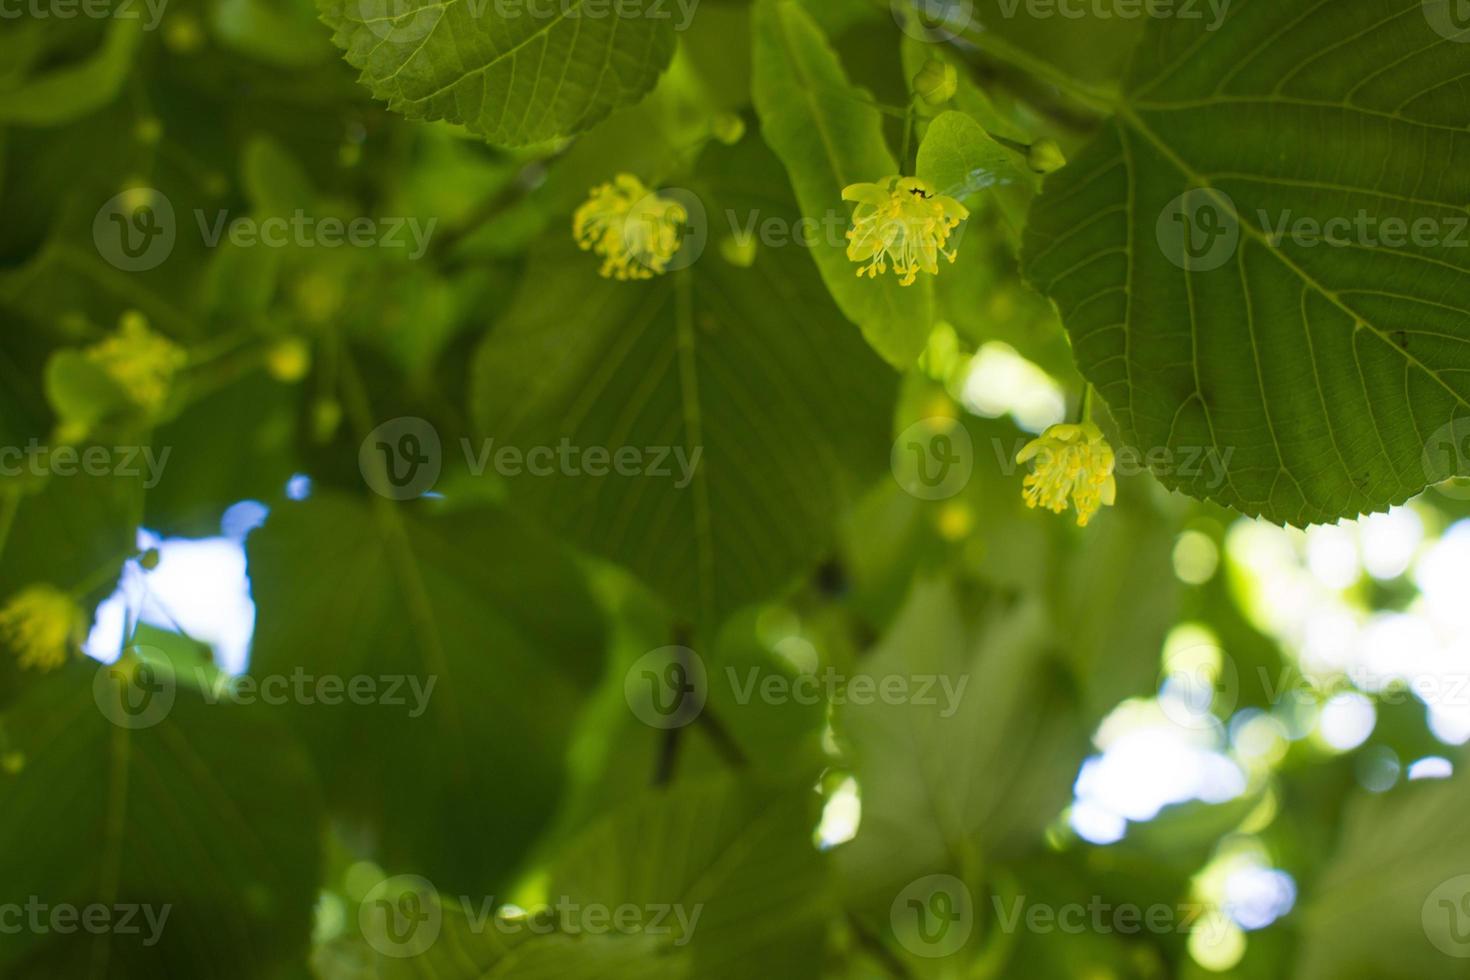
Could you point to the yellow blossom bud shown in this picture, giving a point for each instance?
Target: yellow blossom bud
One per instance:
(739, 251)
(936, 82)
(1046, 157)
(728, 128)
(182, 34)
(289, 360)
(326, 417)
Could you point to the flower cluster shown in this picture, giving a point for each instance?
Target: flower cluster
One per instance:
(1071, 461)
(42, 625)
(903, 221)
(636, 231)
(141, 362)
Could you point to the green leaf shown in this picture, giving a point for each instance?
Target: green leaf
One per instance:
(1327, 371)
(972, 772)
(429, 598)
(72, 91)
(716, 878)
(829, 136)
(207, 814)
(960, 158)
(736, 860)
(516, 76)
(748, 367)
(1391, 904)
(82, 393)
(278, 32)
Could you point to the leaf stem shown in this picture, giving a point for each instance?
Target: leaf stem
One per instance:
(9, 505)
(908, 138)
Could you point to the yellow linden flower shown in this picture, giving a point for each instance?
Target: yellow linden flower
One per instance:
(902, 220)
(635, 231)
(142, 362)
(42, 625)
(1071, 461)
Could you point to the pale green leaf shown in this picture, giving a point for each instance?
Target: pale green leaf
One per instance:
(977, 766)
(71, 91)
(735, 859)
(829, 135)
(1391, 904)
(960, 158)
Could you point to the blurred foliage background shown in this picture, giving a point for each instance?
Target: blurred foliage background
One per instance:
(1252, 731)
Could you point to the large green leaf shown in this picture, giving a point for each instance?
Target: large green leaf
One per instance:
(735, 859)
(1392, 903)
(513, 73)
(750, 368)
(712, 879)
(205, 815)
(829, 135)
(454, 779)
(975, 760)
(1328, 370)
